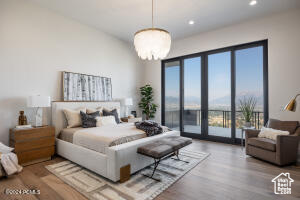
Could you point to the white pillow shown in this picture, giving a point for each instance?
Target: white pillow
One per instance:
(92, 110)
(73, 117)
(271, 133)
(5, 149)
(106, 120)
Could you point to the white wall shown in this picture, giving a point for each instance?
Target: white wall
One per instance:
(281, 30)
(36, 44)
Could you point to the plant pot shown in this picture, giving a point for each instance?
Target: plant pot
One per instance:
(247, 124)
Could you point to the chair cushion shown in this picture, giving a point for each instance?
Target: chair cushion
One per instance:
(263, 143)
(289, 126)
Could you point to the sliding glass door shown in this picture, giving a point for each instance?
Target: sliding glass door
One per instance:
(172, 95)
(203, 93)
(192, 95)
(249, 85)
(219, 94)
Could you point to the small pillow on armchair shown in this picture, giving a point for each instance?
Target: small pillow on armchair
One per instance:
(271, 133)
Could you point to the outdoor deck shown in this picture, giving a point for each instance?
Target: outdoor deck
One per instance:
(219, 121)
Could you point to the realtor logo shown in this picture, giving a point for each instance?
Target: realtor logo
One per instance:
(282, 184)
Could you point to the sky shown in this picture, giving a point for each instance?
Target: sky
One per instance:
(249, 75)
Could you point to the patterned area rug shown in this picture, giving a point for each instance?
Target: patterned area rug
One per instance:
(139, 187)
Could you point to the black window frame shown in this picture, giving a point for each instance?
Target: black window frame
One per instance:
(204, 88)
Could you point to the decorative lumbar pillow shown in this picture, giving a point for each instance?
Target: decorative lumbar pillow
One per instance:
(89, 120)
(92, 110)
(271, 133)
(113, 112)
(106, 120)
(73, 117)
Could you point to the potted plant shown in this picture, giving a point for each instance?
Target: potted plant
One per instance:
(247, 106)
(146, 103)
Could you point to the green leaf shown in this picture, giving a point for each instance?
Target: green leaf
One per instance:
(146, 103)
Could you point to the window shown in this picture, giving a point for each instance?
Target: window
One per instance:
(202, 93)
(172, 95)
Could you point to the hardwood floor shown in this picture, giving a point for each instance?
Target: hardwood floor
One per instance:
(226, 174)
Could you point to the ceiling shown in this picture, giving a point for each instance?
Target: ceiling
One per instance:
(122, 18)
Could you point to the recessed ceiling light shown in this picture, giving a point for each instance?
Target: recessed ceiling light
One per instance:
(191, 22)
(253, 2)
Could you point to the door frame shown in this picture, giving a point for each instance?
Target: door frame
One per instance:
(204, 89)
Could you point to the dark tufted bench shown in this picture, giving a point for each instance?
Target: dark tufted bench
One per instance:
(164, 148)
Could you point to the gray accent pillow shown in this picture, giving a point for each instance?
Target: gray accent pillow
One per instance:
(89, 120)
(114, 113)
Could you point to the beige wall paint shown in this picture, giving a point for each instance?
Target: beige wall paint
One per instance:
(36, 44)
(281, 30)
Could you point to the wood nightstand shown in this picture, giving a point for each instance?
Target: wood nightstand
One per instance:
(131, 120)
(33, 145)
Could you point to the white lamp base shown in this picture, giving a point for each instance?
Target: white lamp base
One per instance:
(39, 117)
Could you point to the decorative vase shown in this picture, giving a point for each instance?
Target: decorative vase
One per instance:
(22, 118)
(247, 124)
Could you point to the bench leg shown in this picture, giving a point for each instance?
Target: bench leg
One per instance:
(156, 162)
(176, 153)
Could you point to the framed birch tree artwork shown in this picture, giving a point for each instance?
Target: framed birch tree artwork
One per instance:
(83, 87)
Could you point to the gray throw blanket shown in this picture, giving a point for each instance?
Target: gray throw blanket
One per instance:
(150, 127)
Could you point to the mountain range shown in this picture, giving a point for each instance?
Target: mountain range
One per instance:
(222, 101)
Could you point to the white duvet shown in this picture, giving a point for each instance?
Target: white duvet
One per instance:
(99, 138)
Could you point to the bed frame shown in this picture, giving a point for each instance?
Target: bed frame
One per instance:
(115, 158)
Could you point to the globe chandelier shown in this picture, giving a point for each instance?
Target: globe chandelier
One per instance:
(152, 43)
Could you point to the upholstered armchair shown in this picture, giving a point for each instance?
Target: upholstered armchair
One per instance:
(283, 151)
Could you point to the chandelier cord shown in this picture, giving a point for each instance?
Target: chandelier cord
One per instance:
(152, 14)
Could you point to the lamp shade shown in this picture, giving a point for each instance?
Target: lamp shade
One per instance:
(127, 102)
(291, 106)
(38, 101)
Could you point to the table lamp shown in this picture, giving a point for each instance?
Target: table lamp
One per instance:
(38, 102)
(127, 102)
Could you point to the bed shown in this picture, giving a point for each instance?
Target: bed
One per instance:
(105, 159)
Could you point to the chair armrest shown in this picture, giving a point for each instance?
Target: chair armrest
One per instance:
(287, 142)
(297, 132)
(286, 148)
(251, 133)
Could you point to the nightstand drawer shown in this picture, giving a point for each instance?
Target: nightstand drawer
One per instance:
(33, 144)
(29, 134)
(28, 156)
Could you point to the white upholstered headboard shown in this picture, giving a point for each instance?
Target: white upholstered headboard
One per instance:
(58, 117)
